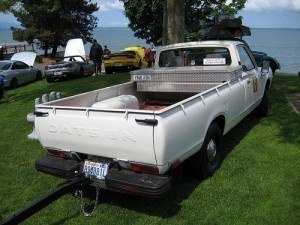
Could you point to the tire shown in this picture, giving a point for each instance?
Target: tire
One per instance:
(50, 80)
(205, 162)
(38, 76)
(262, 109)
(108, 71)
(14, 83)
(81, 72)
(140, 65)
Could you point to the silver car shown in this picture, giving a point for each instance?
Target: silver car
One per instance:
(19, 70)
(69, 66)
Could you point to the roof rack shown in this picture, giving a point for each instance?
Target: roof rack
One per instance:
(224, 27)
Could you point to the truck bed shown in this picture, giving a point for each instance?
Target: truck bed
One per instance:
(153, 101)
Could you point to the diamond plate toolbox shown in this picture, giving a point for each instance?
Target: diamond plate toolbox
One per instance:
(187, 79)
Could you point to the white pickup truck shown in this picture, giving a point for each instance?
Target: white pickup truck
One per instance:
(130, 137)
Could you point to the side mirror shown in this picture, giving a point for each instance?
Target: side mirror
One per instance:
(265, 67)
(244, 68)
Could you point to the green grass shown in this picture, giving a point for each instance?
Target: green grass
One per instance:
(257, 183)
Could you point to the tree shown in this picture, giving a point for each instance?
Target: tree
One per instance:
(147, 18)
(51, 24)
(7, 5)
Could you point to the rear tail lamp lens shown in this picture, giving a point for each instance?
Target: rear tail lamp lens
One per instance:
(144, 168)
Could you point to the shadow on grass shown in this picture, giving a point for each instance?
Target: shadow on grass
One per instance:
(282, 114)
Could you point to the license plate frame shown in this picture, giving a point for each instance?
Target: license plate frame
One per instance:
(95, 169)
(118, 64)
(57, 73)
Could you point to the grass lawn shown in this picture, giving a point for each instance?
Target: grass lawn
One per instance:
(257, 183)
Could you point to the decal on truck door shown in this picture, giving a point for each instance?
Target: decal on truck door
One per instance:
(255, 84)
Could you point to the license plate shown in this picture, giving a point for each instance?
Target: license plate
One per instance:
(118, 64)
(95, 169)
(57, 73)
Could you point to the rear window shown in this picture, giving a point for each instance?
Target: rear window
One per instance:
(204, 56)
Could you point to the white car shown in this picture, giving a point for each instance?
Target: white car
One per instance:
(19, 70)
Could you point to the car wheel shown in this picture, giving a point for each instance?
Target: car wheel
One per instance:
(140, 65)
(262, 109)
(81, 72)
(272, 68)
(14, 83)
(205, 162)
(38, 75)
(50, 80)
(108, 71)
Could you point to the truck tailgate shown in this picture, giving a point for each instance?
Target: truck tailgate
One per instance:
(106, 133)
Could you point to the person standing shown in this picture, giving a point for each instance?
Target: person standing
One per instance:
(1, 53)
(153, 52)
(148, 57)
(2, 93)
(96, 53)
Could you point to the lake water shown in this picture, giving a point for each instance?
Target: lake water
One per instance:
(282, 44)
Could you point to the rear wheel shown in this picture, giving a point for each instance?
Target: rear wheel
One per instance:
(14, 83)
(81, 72)
(262, 109)
(108, 71)
(205, 162)
(38, 75)
(50, 80)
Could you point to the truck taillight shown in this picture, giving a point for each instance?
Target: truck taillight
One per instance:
(57, 153)
(63, 154)
(144, 168)
(137, 167)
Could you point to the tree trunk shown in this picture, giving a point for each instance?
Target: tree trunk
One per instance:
(55, 46)
(173, 25)
(165, 22)
(46, 48)
(54, 51)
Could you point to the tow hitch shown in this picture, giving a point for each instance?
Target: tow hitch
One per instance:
(73, 185)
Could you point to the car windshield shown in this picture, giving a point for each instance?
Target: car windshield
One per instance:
(203, 56)
(4, 65)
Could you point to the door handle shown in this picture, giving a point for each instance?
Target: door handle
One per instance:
(41, 114)
(152, 122)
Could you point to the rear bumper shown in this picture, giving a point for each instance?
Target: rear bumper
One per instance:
(121, 68)
(124, 181)
(64, 73)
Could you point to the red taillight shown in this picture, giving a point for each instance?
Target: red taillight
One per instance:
(144, 168)
(57, 153)
(175, 164)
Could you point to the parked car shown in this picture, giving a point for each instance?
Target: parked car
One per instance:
(19, 70)
(130, 58)
(69, 66)
(72, 65)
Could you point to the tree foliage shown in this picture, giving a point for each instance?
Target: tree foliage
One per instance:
(146, 16)
(51, 24)
(7, 5)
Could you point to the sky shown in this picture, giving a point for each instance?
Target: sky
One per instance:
(256, 14)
